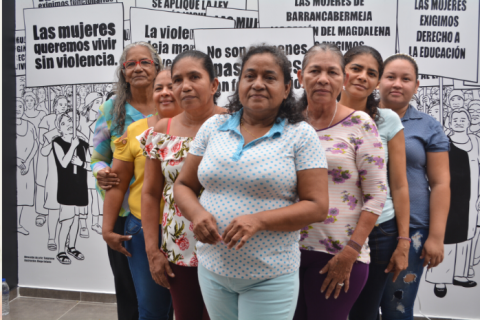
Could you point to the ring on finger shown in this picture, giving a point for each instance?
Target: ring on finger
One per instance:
(340, 284)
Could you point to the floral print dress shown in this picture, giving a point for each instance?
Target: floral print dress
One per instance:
(178, 242)
(356, 181)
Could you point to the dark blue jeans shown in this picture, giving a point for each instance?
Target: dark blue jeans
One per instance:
(383, 242)
(154, 301)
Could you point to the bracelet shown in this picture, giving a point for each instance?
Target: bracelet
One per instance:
(352, 244)
(405, 238)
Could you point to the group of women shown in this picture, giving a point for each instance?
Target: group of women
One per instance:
(280, 204)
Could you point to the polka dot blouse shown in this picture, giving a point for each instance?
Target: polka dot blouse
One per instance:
(241, 180)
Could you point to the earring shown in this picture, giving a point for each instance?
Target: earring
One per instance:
(343, 88)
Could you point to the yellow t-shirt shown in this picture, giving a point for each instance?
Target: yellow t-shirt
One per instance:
(128, 149)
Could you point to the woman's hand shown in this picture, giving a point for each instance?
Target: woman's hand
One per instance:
(338, 268)
(158, 267)
(205, 228)
(399, 259)
(432, 252)
(115, 240)
(106, 179)
(240, 230)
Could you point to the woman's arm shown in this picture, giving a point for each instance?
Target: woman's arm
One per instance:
(438, 173)
(65, 158)
(113, 203)
(151, 196)
(401, 202)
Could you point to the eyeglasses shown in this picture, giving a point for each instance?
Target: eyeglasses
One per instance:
(131, 64)
(474, 111)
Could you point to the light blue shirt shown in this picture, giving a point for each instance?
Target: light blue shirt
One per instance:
(388, 126)
(241, 180)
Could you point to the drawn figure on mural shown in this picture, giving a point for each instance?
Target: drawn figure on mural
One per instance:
(20, 86)
(46, 203)
(93, 101)
(468, 95)
(464, 157)
(31, 113)
(82, 92)
(72, 158)
(456, 99)
(26, 148)
(474, 110)
(41, 98)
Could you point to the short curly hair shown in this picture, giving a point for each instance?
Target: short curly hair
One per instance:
(288, 109)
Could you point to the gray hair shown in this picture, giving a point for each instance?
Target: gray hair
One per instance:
(123, 93)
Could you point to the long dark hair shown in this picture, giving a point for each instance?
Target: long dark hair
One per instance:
(372, 102)
(303, 102)
(288, 109)
(207, 65)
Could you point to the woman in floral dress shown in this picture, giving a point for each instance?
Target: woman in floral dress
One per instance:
(166, 146)
(335, 253)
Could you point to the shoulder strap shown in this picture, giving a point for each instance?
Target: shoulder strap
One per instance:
(168, 125)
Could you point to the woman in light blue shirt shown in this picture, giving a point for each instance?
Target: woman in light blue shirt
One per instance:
(254, 164)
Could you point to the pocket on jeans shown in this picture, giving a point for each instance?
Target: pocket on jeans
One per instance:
(133, 226)
(388, 228)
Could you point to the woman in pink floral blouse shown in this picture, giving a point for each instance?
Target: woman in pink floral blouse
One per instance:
(166, 146)
(335, 252)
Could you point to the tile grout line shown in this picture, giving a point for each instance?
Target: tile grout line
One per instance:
(68, 310)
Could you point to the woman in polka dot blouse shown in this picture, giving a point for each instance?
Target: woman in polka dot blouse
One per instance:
(254, 164)
(335, 253)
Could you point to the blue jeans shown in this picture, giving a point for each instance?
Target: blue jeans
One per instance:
(399, 297)
(247, 299)
(383, 242)
(154, 301)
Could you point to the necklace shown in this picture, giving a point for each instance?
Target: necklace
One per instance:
(334, 114)
(242, 125)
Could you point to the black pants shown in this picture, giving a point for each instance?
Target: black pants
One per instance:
(127, 305)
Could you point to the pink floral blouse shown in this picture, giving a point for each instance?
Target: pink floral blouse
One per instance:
(178, 243)
(356, 182)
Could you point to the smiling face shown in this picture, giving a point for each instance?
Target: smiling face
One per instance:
(363, 76)
(192, 87)
(322, 78)
(460, 122)
(61, 106)
(456, 102)
(398, 84)
(20, 110)
(165, 102)
(261, 88)
(140, 76)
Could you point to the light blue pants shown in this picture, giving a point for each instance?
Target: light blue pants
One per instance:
(244, 299)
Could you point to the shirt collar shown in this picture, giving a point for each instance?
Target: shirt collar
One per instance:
(233, 124)
(134, 113)
(412, 114)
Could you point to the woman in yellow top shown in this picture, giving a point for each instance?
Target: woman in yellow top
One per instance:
(153, 300)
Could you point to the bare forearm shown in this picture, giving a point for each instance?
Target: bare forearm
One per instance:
(439, 207)
(365, 225)
(187, 201)
(401, 203)
(150, 219)
(111, 207)
(294, 217)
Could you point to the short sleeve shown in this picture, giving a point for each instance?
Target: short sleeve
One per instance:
(199, 144)
(394, 124)
(371, 166)
(437, 141)
(123, 147)
(309, 153)
(154, 145)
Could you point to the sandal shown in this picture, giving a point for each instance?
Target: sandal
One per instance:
(63, 258)
(40, 220)
(51, 245)
(75, 253)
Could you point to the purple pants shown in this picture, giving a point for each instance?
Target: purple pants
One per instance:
(186, 295)
(312, 304)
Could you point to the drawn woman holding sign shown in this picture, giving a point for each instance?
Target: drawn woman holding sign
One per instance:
(72, 159)
(464, 159)
(26, 148)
